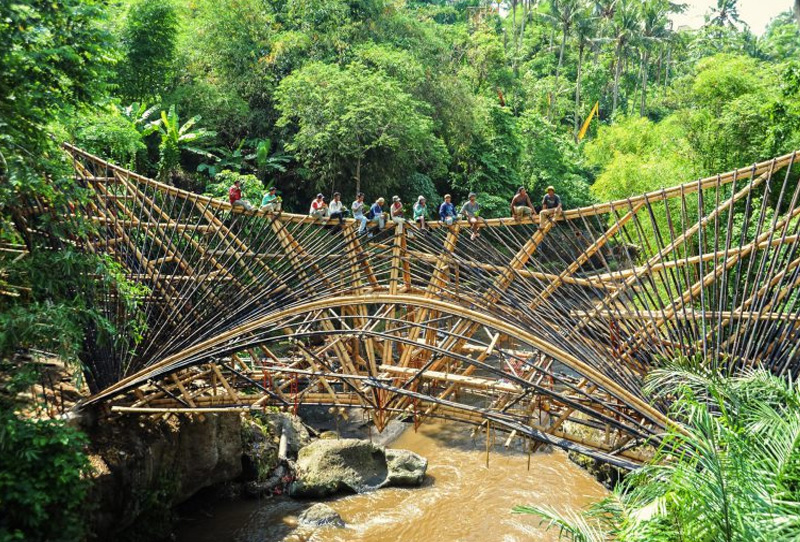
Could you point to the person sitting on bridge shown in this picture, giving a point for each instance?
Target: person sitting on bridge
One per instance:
(551, 203)
(396, 210)
(336, 209)
(235, 196)
(521, 205)
(271, 203)
(470, 210)
(447, 212)
(376, 214)
(420, 212)
(358, 207)
(319, 209)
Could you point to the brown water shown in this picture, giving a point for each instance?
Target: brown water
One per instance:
(461, 501)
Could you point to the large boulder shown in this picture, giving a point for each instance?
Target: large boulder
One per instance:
(326, 467)
(405, 468)
(320, 515)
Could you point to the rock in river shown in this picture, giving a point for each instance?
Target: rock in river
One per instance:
(326, 467)
(320, 515)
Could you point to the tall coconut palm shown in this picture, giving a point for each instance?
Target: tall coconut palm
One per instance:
(625, 27)
(725, 13)
(586, 23)
(655, 29)
(563, 13)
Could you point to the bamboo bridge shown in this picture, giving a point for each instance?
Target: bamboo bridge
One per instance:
(544, 329)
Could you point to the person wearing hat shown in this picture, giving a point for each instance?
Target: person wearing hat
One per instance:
(521, 205)
(551, 203)
(358, 207)
(447, 213)
(396, 210)
(235, 196)
(470, 210)
(420, 212)
(319, 209)
(271, 203)
(376, 213)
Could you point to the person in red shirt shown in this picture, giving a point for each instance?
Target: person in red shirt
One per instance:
(319, 209)
(235, 196)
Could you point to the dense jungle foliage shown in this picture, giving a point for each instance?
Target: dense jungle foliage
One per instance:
(386, 96)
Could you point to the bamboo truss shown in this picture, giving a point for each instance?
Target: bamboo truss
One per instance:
(531, 325)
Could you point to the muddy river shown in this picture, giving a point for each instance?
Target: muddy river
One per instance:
(462, 500)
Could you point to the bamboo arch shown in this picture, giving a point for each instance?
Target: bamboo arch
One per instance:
(589, 301)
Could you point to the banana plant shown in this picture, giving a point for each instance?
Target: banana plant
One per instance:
(177, 138)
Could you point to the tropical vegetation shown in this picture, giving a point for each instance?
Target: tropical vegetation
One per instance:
(733, 473)
(386, 96)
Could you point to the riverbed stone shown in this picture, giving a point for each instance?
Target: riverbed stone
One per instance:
(320, 515)
(327, 467)
(405, 468)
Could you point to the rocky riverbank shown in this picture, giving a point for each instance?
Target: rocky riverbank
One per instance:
(144, 468)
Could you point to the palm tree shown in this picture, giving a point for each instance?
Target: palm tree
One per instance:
(625, 26)
(563, 13)
(731, 474)
(726, 13)
(654, 30)
(585, 30)
(177, 137)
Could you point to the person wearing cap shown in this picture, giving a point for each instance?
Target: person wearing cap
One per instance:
(319, 209)
(470, 210)
(447, 212)
(420, 212)
(336, 209)
(235, 196)
(358, 207)
(551, 203)
(521, 205)
(376, 213)
(396, 210)
(271, 203)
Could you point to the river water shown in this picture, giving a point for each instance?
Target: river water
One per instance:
(462, 500)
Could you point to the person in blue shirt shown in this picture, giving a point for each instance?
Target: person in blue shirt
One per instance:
(376, 212)
(447, 212)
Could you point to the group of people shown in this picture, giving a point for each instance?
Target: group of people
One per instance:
(521, 207)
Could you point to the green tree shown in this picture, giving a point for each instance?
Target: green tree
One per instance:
(148, 46)
(625, 27)
(585, 33)
(725, 14)
(654, 31)
(354, 123)
(564, 13)
(53, 58)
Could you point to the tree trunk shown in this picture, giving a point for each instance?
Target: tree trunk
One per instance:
(797, 11)
(558, 73)
(578, 90)
(521, 37)
(645, 59)
(617, 71)
(358, 175)
(666, 69)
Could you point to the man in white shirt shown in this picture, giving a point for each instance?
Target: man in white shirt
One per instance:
(336, 209)
(359, 208)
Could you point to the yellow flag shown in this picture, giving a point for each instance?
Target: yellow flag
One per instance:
(595, 110)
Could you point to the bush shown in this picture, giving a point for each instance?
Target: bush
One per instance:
(43, 470)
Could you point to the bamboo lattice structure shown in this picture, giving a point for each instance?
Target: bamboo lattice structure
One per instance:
(536, 327)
